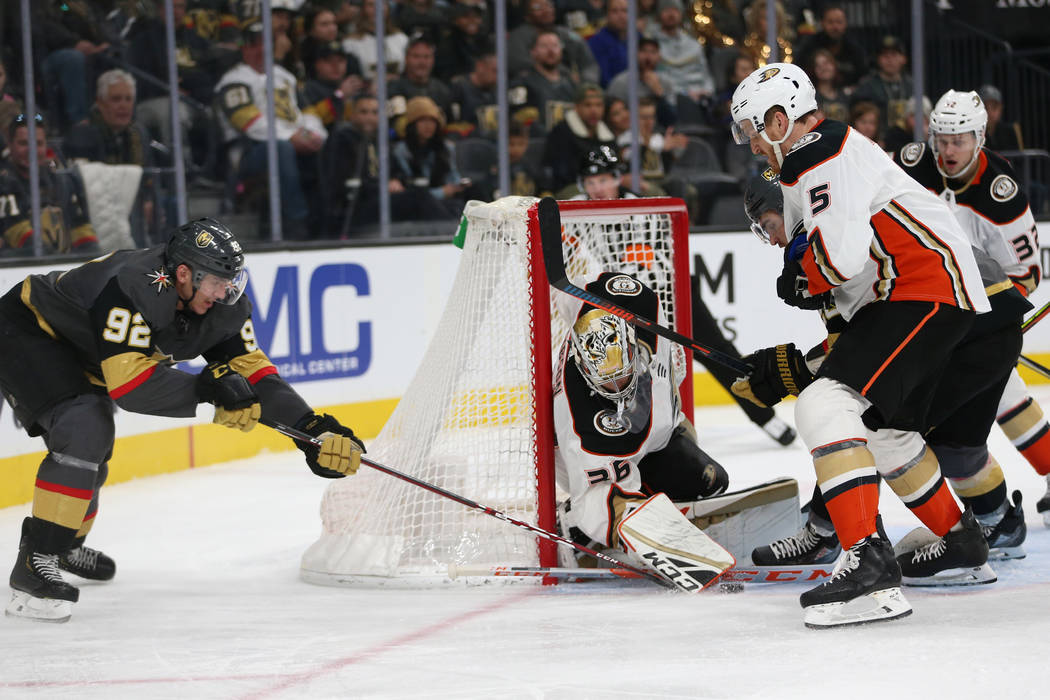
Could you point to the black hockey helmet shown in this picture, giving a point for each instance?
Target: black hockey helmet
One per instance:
(763, 194)
(207, 247)
(601, 160)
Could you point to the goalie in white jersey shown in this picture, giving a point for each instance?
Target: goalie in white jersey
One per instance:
(902, 274)
(624, 447)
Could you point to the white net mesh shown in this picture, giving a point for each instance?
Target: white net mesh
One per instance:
(467, 422)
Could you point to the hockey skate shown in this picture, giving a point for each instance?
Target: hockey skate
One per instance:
(1043, 504)
(958, 559)
(807, 546)
(779, 431)
(865, 587)
(1006, 537)
(39, 591)
(88, 563)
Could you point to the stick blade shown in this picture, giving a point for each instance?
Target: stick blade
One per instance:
(548, 217)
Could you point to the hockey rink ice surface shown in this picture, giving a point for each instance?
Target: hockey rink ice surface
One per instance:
(207, 603)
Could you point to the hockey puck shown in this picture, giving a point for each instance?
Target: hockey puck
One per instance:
(730, 587)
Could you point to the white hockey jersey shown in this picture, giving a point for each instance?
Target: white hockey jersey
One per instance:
(992, 210)
(875, 234)
(599, 448)
(242, 98)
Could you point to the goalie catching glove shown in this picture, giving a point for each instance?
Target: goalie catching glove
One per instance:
(236, 405)
(340, 451)
(779, 371)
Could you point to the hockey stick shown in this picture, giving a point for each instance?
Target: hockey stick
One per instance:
(801, 573)
(1034, 366)
(306, 437)
(1035, 318)
(549, 218)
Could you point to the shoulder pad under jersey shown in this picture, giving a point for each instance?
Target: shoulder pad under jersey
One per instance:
(821, 144)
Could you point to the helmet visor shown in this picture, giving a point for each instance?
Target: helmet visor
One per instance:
(221, 290)
(743, 131)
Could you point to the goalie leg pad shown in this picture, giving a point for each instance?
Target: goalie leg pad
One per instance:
(661, 539)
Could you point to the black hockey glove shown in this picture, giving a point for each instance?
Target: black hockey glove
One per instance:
(793, 288)
(339, 453)
(779, 371)
(236, 404)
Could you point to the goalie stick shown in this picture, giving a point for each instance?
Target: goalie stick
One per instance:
(549, 219)
(616, 563)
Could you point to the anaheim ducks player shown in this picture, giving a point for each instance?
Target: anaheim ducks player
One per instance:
(624, 447)
(902, 275)
(981, 191)
(110, 331)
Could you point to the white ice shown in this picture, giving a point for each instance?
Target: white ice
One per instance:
(207, 603)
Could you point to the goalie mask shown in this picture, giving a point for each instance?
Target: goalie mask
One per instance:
(957, 126)
(606, 352)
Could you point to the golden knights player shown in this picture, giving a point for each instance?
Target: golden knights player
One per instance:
(624, 447)
(980, 189)
(73, 343)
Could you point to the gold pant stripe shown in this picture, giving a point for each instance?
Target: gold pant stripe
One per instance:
(67, 511)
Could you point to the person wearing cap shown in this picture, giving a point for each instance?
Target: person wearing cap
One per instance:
(417, 80)
(241, 98)
(581, 132)
(682, 59)
(424, 159)
(331, 83)
(999, 135)
(609, 44)
(888, 86)
(465, 42)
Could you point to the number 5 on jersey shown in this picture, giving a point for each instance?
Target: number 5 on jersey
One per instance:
(819, 199)
(121, 325)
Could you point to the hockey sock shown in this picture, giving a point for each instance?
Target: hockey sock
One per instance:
(921, 487)
(819, 519)
(849, 484)
(985, 491)
(1029, 432)
(85, 527)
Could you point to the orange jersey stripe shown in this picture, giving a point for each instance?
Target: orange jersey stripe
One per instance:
(922, 273)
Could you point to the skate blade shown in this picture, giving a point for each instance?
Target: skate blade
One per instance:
(877, 606)
(1046, 517)
(962, 576)
(40, 609)
(1004, 553)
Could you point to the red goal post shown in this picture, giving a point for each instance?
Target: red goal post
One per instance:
(477, 417)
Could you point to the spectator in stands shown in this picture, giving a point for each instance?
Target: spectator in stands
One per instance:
(832, 99)
(350, 178)
(9, 106)
(215, 21)
(69, 37)
(63, 214)
(617, 116)
(659, 151)
(718, 23)
(327, 92)
(320, 29)
(903, 132)
(241, 95)
(421, 18)
(417, 79)
(425, 160)
(648, 17)
(864, 117)
(682, 59)
(581, 132)
(755, 40)
(738, 160)
(282, 17)
(575, 54)
(525, 181)
(465, 41)
(112, 136)
(362, 43)
(848, 55)
(888, 86)
(196, 68)
(999, 135)
(651, 82)
(542, 94)
(609, 44)
(585, 17)
(474, 105)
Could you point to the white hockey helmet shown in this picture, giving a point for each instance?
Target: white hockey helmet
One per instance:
(958, 113)
(777, 84)
(606, 351)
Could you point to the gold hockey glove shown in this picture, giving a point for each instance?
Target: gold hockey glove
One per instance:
(243, 419)
(340, 451)
(779, 371)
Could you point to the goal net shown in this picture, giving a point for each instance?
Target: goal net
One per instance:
(476, 418)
